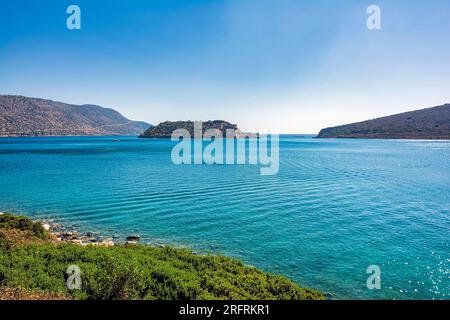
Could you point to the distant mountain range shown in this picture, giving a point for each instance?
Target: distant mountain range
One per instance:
(431, 123)
(23, 116)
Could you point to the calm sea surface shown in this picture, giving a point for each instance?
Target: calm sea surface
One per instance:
(335, 207)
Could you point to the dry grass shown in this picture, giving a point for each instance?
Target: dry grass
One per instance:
(22, 294)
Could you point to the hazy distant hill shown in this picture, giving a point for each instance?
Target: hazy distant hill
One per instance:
(22, 116)
(431, 123)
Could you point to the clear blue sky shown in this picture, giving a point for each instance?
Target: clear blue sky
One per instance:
(291, 65)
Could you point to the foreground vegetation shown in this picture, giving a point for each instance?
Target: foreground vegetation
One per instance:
(32, 265)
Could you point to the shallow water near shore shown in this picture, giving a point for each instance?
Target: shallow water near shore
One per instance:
(335, 207)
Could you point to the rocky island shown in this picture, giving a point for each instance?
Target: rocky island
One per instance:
(430, 123)
(165, 129)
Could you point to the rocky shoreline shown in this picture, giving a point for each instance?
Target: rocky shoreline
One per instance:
(65, 233)
(61, 233)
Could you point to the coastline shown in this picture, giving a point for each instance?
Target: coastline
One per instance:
(384, 138)
(39, 248)
(62, 233)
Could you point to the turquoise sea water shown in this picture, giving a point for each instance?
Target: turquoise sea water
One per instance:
(335, 207)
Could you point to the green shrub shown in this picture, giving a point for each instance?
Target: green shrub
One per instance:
(8, 221)
(136, 272)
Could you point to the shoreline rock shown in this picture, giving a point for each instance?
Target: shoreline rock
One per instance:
(65, 234)
(134, 238)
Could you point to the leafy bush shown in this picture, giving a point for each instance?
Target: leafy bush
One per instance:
(136, 272)
(8, 221)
